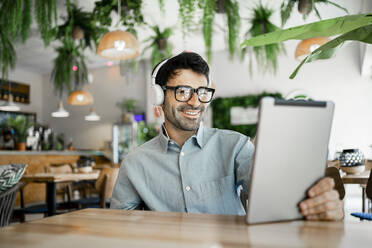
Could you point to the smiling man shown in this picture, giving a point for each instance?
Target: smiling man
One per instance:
(191, 168)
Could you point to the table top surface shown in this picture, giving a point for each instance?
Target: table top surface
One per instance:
(60, 177)
(120, 228)
(361, 178)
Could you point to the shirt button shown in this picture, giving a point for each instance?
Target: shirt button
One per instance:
(188, 188)
(182, 153)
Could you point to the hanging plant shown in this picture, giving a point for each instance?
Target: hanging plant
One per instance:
(70, 71)
(305, 7)
(209, 7)
(15, 22)
(15, 18)
(46, 18)
(354, 27)
(233, 23)
(7, 54)
(84, 27)
(267, 55)
(130, 16)
(186, 13)
(161, 48)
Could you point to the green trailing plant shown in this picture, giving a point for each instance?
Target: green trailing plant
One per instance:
(209, 7)
(305, 7)
(159, 44)
(351, 27)
(20, 125)
(234, 24)
(7, 55)
(161, 6)
(46, 16)
(84, 27)
(266, 55)
(221, 109)
(186, 12)
(130, 17)
(64, 78)
(15, 22)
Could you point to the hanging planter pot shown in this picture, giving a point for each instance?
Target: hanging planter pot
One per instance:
(305, 6)
(77, 33)
(220, 7)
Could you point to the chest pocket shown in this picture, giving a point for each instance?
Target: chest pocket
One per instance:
(217, 196)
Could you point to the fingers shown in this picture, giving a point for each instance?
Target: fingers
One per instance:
(322, 208)
(311, 203)
(336, 214)
(324, 185)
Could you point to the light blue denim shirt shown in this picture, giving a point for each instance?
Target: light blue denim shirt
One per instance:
(201, 177)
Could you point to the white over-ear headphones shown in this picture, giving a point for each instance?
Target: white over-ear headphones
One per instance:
(156, 89)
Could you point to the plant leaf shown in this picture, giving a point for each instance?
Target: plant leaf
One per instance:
(362, 34)
(327, 27)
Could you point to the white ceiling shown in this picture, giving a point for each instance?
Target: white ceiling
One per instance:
(33, 56)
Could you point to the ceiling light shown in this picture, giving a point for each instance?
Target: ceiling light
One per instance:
(305, 47)
(118, 45)
(80, 97)
(61, 112)
(92, 116)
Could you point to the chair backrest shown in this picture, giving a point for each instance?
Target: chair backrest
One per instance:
(106, 181)
(334, 173)
(7, 201)
(369, 186)
(59, 168)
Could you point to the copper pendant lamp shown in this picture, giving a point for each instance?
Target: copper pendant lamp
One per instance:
(305, 47)
(80, 98)
(118, 45)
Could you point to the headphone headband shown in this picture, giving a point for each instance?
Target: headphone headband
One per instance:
(157, 68)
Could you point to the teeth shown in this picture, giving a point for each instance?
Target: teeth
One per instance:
(191, 113)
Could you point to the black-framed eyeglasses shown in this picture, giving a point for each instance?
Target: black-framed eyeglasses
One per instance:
(185, 93)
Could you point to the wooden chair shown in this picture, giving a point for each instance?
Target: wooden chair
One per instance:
(63, 189)
(104, 187)
(334, 173)
(369, 190)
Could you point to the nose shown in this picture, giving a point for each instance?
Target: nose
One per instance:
(194, 101)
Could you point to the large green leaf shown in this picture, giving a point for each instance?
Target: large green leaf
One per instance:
(362, 34)
(327, 27)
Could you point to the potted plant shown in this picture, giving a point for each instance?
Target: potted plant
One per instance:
(161, 48)
(305, 7)
(81, 26)
(267, 55)
(20, 125)
(130, 16)
(127, 107)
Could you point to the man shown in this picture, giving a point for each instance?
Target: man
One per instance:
(191, 168)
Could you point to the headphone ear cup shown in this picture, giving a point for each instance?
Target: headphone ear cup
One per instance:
(158, 94)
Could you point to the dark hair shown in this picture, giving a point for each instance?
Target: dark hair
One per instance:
(185, 60)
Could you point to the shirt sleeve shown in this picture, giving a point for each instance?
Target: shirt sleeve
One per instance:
(124, 195)
(243, 166)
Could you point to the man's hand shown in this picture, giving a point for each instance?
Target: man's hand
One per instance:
(323, 203)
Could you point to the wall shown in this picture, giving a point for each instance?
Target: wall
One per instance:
(108, 88)
(35, 81)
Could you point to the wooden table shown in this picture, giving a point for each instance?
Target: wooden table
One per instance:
(360, 179)
(51, 179)
(120, 228)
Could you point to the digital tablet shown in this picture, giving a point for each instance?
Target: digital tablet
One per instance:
(290, 156)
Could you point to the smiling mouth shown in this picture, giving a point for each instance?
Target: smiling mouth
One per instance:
(191, 114)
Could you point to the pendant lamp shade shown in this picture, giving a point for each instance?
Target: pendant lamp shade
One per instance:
(61, 112)
(80, 97)
(305, 47)
(92, 116)
(118, 45)
(10, 105)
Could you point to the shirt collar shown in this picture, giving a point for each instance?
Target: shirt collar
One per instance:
(165, 140)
